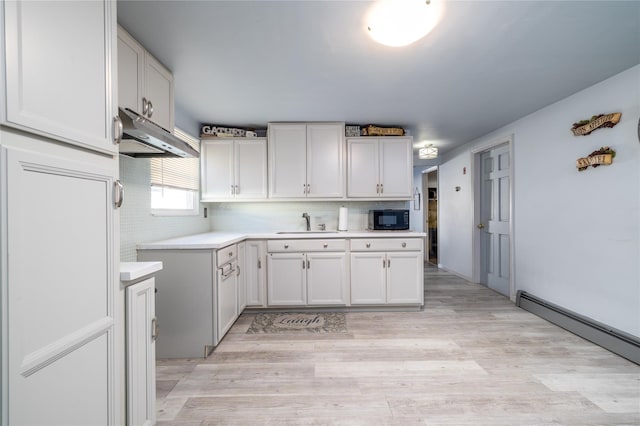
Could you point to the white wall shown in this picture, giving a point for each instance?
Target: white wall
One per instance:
(287, 216)
(137, 225)
(576, 233)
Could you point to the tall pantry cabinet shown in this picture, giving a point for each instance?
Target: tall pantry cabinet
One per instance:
(61, 305)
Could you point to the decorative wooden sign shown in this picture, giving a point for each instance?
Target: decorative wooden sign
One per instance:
(602, 156)
(585, 127)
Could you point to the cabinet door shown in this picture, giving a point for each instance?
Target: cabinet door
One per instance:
(141, 353)
(217, 170)
(60, 64)
(251, 169)
(256, 273)
(130, 72)
(362, 168)
(405, 277)
(368, 278)
(287, 279)
(158, 89)
(227, 301)
(396, 167)
(62, 305)
(327, 278)
(242, 277)
(325, 160)
(287, 166)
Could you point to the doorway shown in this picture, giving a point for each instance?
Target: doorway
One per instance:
(493, 217)
(430, 197)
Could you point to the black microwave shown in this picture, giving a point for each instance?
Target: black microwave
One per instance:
(389, 219)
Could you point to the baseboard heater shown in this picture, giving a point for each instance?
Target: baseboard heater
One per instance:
(616, 341)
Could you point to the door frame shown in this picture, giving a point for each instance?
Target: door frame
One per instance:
(476, 180)
(425, 209)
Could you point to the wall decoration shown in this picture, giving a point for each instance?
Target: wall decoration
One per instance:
(602, 156)
(585, 127)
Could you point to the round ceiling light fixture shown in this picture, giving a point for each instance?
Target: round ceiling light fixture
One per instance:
(428, 152)
(398, 23)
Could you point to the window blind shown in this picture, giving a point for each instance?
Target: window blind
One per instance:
(183, 173)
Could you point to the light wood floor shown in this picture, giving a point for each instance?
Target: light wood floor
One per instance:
(470, 357)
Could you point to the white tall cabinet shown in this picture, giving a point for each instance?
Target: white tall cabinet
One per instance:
(306, 160)
(62, 308)
(380, 167)
(255, 270)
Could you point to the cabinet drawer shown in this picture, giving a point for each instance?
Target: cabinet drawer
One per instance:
(386, 244)
(306, 245)
(226, 254)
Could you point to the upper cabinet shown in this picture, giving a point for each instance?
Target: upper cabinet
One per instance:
(55, 83)
(144, 84)
(380, 167)
(306, 160)
(233, 169)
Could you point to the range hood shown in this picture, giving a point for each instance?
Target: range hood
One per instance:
(143, 138)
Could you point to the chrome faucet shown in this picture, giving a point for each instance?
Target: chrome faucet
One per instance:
(308, 219)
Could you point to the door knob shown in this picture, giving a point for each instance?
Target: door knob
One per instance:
(481, 226)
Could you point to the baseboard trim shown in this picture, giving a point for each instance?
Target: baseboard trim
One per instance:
(616, 341)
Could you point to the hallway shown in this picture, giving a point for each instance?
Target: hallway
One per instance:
(470, 357)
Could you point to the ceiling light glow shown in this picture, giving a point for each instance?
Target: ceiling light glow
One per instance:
(428, 152)
(401, 22)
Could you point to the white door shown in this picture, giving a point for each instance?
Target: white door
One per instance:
(242, 277)
(62, 342)
(130, 72)
(362, 168)
(158, 88)
(368, 278)
(287, 165)
(217, 170)
(227, 298)
(396, 167)
(325, 160)
(495, 216)
(141, 353)
(251, 169)
(327, 278)
(255, 273)
(287, 284)
(405, 277)
(60, 62)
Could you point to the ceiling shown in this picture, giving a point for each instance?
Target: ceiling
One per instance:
(488, 63)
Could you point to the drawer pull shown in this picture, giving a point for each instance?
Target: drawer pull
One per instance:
(404, 245)
(286, 246)
(230, 253)
(325, 245)
(368, 245)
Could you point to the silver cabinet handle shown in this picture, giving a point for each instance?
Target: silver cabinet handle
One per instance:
(230, 254)
(237, 190)
(303, 264)
(119, 193)
(384, 263)
(155, 330)
(389, 263)
(308, 264)
(304, 188)
(118, 130)
(145, 106)
(150, 109)
(404, 245)
(325, 245)
(259, 263)
(232, 190)
(286, 246)
(238, 270)
(381, 188)
(308, 189)
(377, 188)
(368, 245)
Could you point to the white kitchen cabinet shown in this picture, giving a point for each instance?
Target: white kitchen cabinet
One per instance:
(242, 277)
(307, 272)
(59, 64)
(234, 169)
(387, 271)
(255, 269)
(144, 84)
(379, 167)
(141, 332)
(306, 160)
(227, 299)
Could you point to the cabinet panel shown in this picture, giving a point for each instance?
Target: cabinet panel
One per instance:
(130, 72)
(405, 277)
(287, 154)
(368, 279)
(386, 244)
(287, 279)
(325, 160)
(256, 276)
(59, 70)
(242, 277)
(217, 169)
(362, 168)
(158, 88)
(227, 301)
(327, 279)
(141, 353)
(251, 169)
(396, 167)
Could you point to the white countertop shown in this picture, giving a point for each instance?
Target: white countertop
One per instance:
(130, 271)
(216, 240)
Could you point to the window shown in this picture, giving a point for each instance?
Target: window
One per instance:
(175, 182)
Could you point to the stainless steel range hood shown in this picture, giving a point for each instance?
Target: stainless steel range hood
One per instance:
(143, 138)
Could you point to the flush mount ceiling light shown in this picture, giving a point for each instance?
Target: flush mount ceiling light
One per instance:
(401, 22)
(428, 152)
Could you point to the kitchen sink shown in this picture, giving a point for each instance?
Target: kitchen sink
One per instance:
(307, 232)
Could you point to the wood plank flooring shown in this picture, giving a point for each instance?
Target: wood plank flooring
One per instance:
(469, 358)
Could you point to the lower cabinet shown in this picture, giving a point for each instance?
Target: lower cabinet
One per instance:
(141, 331)
(307, 278)
(242, 277)
(387, 277)
(255, 273)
